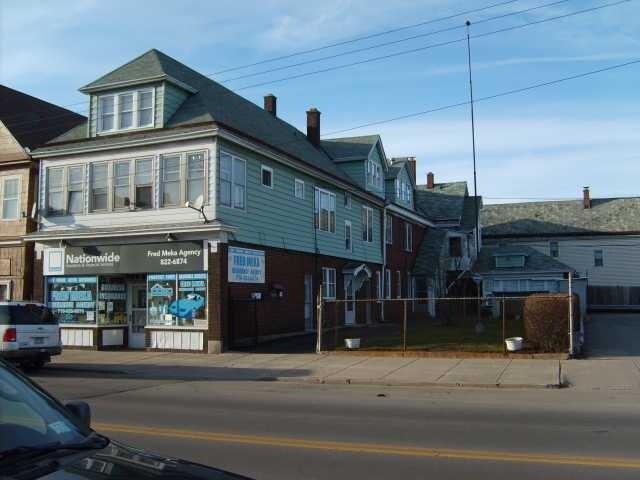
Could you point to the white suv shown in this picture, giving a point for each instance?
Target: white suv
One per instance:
(29, 333)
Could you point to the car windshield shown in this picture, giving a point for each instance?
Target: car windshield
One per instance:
(31, 419)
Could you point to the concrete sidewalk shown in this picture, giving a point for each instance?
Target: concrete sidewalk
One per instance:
(336, 369)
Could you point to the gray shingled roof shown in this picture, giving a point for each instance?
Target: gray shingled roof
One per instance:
(212, 103)
(349, 148)
(535, 262)
(606, 215)
(443, 202)
(430, 252)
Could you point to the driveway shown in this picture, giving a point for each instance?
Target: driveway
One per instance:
(612, 335)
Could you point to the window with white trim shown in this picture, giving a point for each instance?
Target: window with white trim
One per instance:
(232, 181)
(10, 194)
(374, 173)
(266, 174)
(121, 184)
(348, 245)
(598, 258)
(379, 285)
(408, 236)
(388, 227)
(170, 185)
(367, 224)
(347, 200)
(298, 188)
(387, 281)
(65, 190)
(325, 210)
(55, 191)
(5, 290)
(328, 283)
(143, 184)
(99, 187)
(126, 110)
(399, 284)
(75, 190)
(195, 176)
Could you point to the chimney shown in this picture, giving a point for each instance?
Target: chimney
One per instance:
(430, 180)
(412, 167)
(586, 197)
(271, 103)
(313, 126)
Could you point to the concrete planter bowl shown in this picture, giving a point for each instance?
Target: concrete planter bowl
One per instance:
(352, 343)
(514, 344)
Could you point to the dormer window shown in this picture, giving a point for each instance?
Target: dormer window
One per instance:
(510, 261)
(125, 110)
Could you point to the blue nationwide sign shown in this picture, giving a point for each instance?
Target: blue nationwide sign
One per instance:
(115, 259)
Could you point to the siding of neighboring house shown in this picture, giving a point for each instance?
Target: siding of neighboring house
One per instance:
(276, 218)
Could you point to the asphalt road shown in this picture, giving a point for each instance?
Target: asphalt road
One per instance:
(282, 431)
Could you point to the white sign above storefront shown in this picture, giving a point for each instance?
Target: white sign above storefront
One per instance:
(246, 265)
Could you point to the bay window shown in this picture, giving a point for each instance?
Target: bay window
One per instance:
(325, 210)
(10, 191)
(75, 191)
(195, 176)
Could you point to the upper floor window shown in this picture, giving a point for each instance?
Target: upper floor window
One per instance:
(299, 188)
(10, 194)
(408, 237)
(374, 173)
(367, 224)
(347, 200)
(125, 110)
(233, 181)
(455, 247)
(325, 210)
(65, 190)
(347, 236)
(143, 183)
(403, 190)
(554, 250)
(598, 258)
(267, 176)
(99, 187)
(170, 166)
(510, 261)
(388, 228)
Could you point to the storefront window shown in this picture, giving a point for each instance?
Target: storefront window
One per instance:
(112, 301)
(177, 300)
(73, 298)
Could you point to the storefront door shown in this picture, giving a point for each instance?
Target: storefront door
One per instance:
(137, 314)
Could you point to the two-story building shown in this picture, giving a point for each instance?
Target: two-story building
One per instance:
(597, 238)
(26, 123)
(181, 216)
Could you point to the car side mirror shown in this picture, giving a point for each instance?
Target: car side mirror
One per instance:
(81, 410)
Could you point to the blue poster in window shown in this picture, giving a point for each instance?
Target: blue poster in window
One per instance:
(246, 265)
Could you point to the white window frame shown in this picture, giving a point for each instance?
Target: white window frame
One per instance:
(347, 223)
(328, 286)
(134, 185)
(408, 237)
(379, 285)
(367, 224)
(9, 285)
(18, 198)
(116, 110)
(387, 282)
(92, 167)
(317, 210)
(298, 189)
(595, 258)
(64, 189)
(112, 190)
(265, 168)
(388, 225)
(347, 200)
(232, 197)
(180, 181)
(399, 283)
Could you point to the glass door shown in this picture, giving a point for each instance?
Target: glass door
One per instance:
(137, 314)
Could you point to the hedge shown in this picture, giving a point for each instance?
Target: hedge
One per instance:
(546, 321)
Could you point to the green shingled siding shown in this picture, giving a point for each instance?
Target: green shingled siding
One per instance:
(173, 98)
(355, 170)
(276, 218)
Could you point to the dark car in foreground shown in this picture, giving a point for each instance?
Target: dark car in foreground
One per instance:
(41, 438)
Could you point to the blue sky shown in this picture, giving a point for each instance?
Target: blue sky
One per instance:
(547, 143)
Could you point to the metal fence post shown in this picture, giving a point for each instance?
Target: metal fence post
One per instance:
(570, 314)
(404, 326)
(319, 336)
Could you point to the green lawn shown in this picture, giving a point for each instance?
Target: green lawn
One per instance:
(425, 335)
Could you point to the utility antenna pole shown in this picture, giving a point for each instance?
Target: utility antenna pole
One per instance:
(479, 326)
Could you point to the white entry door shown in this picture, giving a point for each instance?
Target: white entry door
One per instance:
(137, 314)
(350, 304)
(308, 302)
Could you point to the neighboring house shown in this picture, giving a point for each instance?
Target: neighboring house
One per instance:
(598, 238)
(449, 249)
(519, 270)
(281, 213)
(25, 123)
